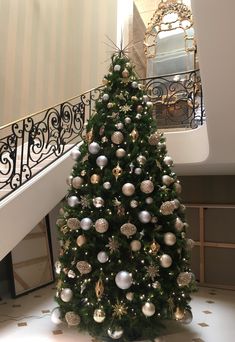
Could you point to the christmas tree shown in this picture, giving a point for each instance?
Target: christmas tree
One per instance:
(124, 261)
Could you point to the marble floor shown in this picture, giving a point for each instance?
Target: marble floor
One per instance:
(27, 319)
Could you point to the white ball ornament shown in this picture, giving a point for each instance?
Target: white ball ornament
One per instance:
(75, 153)
(77, 182)
(128, 189)
(116, 333)
(105, 97)
(134, 84)
(165, 260)
(86, 223)
(179, 225)
(123, 280)
(149, 200)
(135, 245)
(138, 171)
(66, 295)
(169, 239)
(56, 316)
(144, 216)
(72, 201)
(102, 257)
(107, 185)
(149, 104)
(168, 161)
(148, 309)
(102, 161)
(94, 148)
(117, 67)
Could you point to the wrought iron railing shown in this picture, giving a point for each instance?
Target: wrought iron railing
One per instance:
(29, 145)
(177, 99)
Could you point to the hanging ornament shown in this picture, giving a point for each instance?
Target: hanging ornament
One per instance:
(83, 267)
(99, 315)
(128, 189)
(168, 160)
(139, 109)
(73, 223)
(134, 84)
(148, 309)
(134, 135)
(113, 245)
(102, 161)
(117, 137)
(66, 295)
(125, 109)
(146, 186)
(72, 318)
(152, 271)
(154, 139)
(131, 167)
(188, 317)
(95, 179)
(119, 125)
(130, 296)
(89, 136)
(75, 154)
(179, 314)
(105, 97)
(154, 248)
(86, 223)
(71, 274)
(98, 202)
(135, 245)
(120, 153)
(149, 200)
(138, 171)
(101, 225)
(127, 120)
(77, 182)
(107, 185)
(83, 173)
(128, 229)
(58, 267)
(94, 148)
(56, 316)
(105, 81)
(119, 310)
(184, 278)
(145, 98)
(117, 171)
(99, 288)
(167, 180)
(72, 201)
(169, 239)
(125, 73)
(138, 116)
(123, 280)
(134, 98)
(141, 159)
(104, 139)
(115, 333)
(117, 67)
(134, 204)
(110, 105)
(167, 208)
(179, 225)
(102, 257)
(165, 260)
(120, 210)
(144, 216)
(81, 240)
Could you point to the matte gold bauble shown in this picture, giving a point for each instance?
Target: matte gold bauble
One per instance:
(147, 186)
(101, 225)
(81, 240)
(120, 153)
(117, 137)
(73, 223)
(95, 179)
(135, 245)
(128, 189)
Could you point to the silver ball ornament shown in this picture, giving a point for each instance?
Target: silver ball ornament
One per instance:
(167, 180)
(127, 120)
(135, 245)
(120, 153)
(138, 116)
(105, 97)
(102, 257)
(56, 316)
(116, 333)
(149, 200)
(117, 67)
(72, 201)
(66, 295)
(77, 182)
(148, 309)
(128, 189)
(99, 315)
(168, 161)
(75, 153)
(134, 84)
(169, 239)
(107, 185)
(102, 161)
(123, 280)
(165, 260)
(144, 216)
(86, 223)
(94, 148)
(138, 171)
(130, 296)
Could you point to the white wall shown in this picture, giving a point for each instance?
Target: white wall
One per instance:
(51, 50)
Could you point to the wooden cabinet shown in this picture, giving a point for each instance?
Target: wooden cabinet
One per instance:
(212, 227)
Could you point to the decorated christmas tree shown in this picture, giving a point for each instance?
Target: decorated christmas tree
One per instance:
(124, 261)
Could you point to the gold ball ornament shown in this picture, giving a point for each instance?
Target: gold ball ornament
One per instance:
(128, 229)
(99, 315)
(95, 179)
(147, 186)
(72, 318)
(117, 171)
(73, 223)
(77, 182)
(178, 187)
(167, 208)
(120, 153)
(117, 137)
(141, 159)
(130, 296)
(139, 109)
(135, 245)
(165, 260)
(83, 267)
(81, 240)
(128, 189)
(154, 139)
(169, 239)
(101, 225)
(167, 180)
(125, 73)
(184, 278)
(148, 309)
